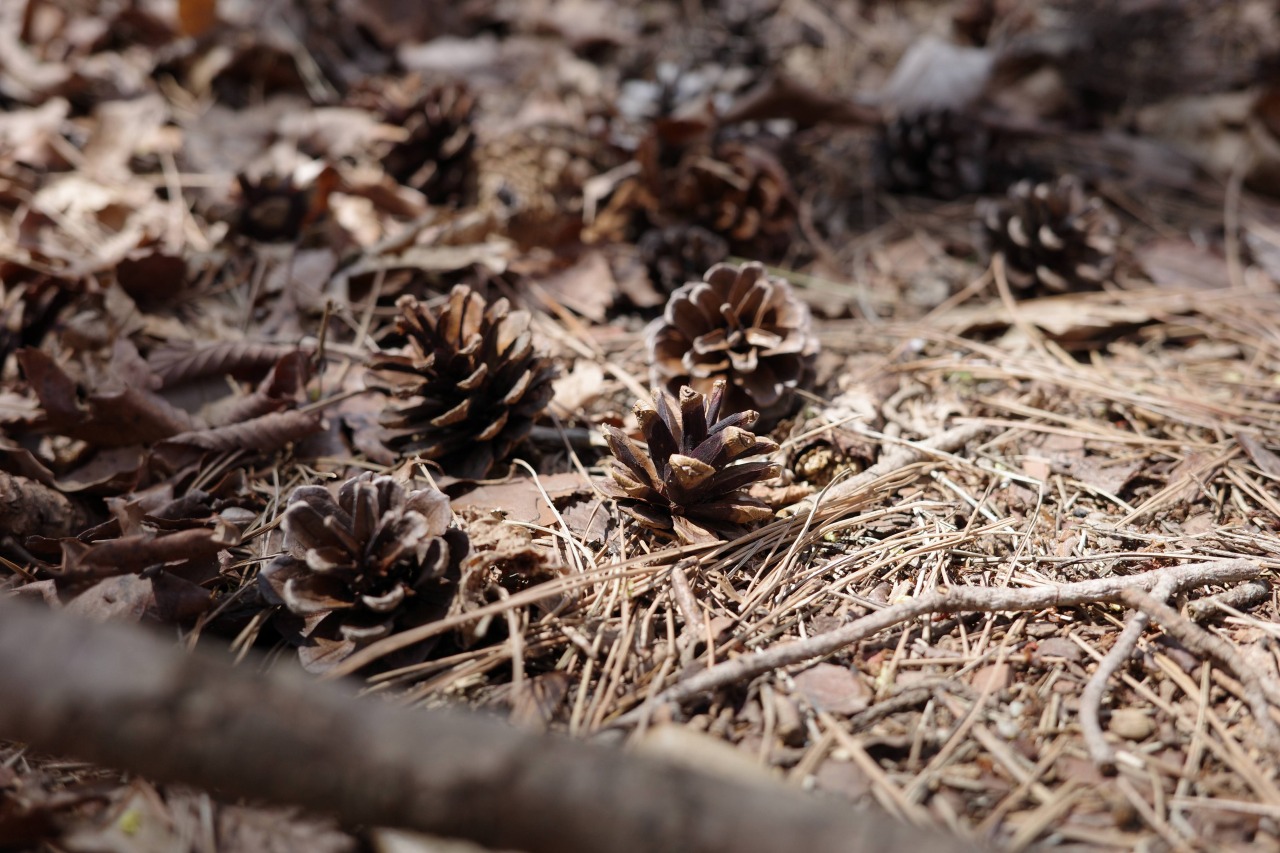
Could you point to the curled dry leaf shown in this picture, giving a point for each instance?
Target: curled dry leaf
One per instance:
(263, 434)
(133, 553)
(241, 359)
(281, 389)
(112, 418)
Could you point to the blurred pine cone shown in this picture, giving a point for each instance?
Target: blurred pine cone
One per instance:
(738, 324)
(472, 380)
(739, 191)
(936, 153)
(438, 157)
(692, 477)
(275, 208)
(736, 190)
(680, 253)
(533, 180)
(375, 561)
(1052, 235)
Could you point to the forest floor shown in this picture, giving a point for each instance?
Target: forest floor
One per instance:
(209, 212)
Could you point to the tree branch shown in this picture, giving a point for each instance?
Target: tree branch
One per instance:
(117, 696)
(954, 600)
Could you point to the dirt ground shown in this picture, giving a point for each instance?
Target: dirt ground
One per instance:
(1014, 579)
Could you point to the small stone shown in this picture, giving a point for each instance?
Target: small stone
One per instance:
(1132, 724)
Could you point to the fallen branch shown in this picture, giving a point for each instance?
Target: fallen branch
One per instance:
(954, 600)
(1091, 698)
(115, 695)
(1241, 597)
(1257, 686)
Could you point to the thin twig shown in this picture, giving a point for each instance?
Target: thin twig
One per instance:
(1256, 684)
(1091, 699)
(954, 600)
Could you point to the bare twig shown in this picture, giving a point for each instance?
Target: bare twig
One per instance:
(954, 600)
(1256, 685)
(116, 695)
(1242, 597)
(1091, 699)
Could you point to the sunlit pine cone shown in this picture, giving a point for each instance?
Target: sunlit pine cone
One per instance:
(375, 561)
(438, 156)
(1053, 236)
(742, 325)
(471, 379)
(936, 153)
(692, 477)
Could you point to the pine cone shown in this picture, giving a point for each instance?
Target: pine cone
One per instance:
(472, 381)
(736, 190)
(936, 153)
(679, 253)
(742, 325)
(739, 191)
(279, 208)
(374, 561)
(1052, 235)
(533, 180)
(438, 157)
(693, 476)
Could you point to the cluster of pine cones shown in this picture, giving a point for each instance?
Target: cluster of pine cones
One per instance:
(729, 355)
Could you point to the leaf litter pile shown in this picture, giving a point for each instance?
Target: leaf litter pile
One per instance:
(883, 396)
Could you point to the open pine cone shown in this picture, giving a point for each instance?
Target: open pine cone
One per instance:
(936, 153)
(472, 381)
(736, 190)
(1052, 236)
(741, 325)
(438, 156)
(374, 561)
(693, 476)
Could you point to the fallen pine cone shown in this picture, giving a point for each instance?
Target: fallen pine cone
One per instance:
(1053, 236)
(692, 478)
(376, 560)
(438, 156)
(678, 253)
(936, 153)
(742, 325)
(472, 381)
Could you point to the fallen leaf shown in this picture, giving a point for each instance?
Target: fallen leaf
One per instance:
(832, 688)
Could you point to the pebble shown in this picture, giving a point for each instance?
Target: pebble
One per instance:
(1132, 724)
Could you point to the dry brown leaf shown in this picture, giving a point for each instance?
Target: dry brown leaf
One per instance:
(587, 287)
(832, 688)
